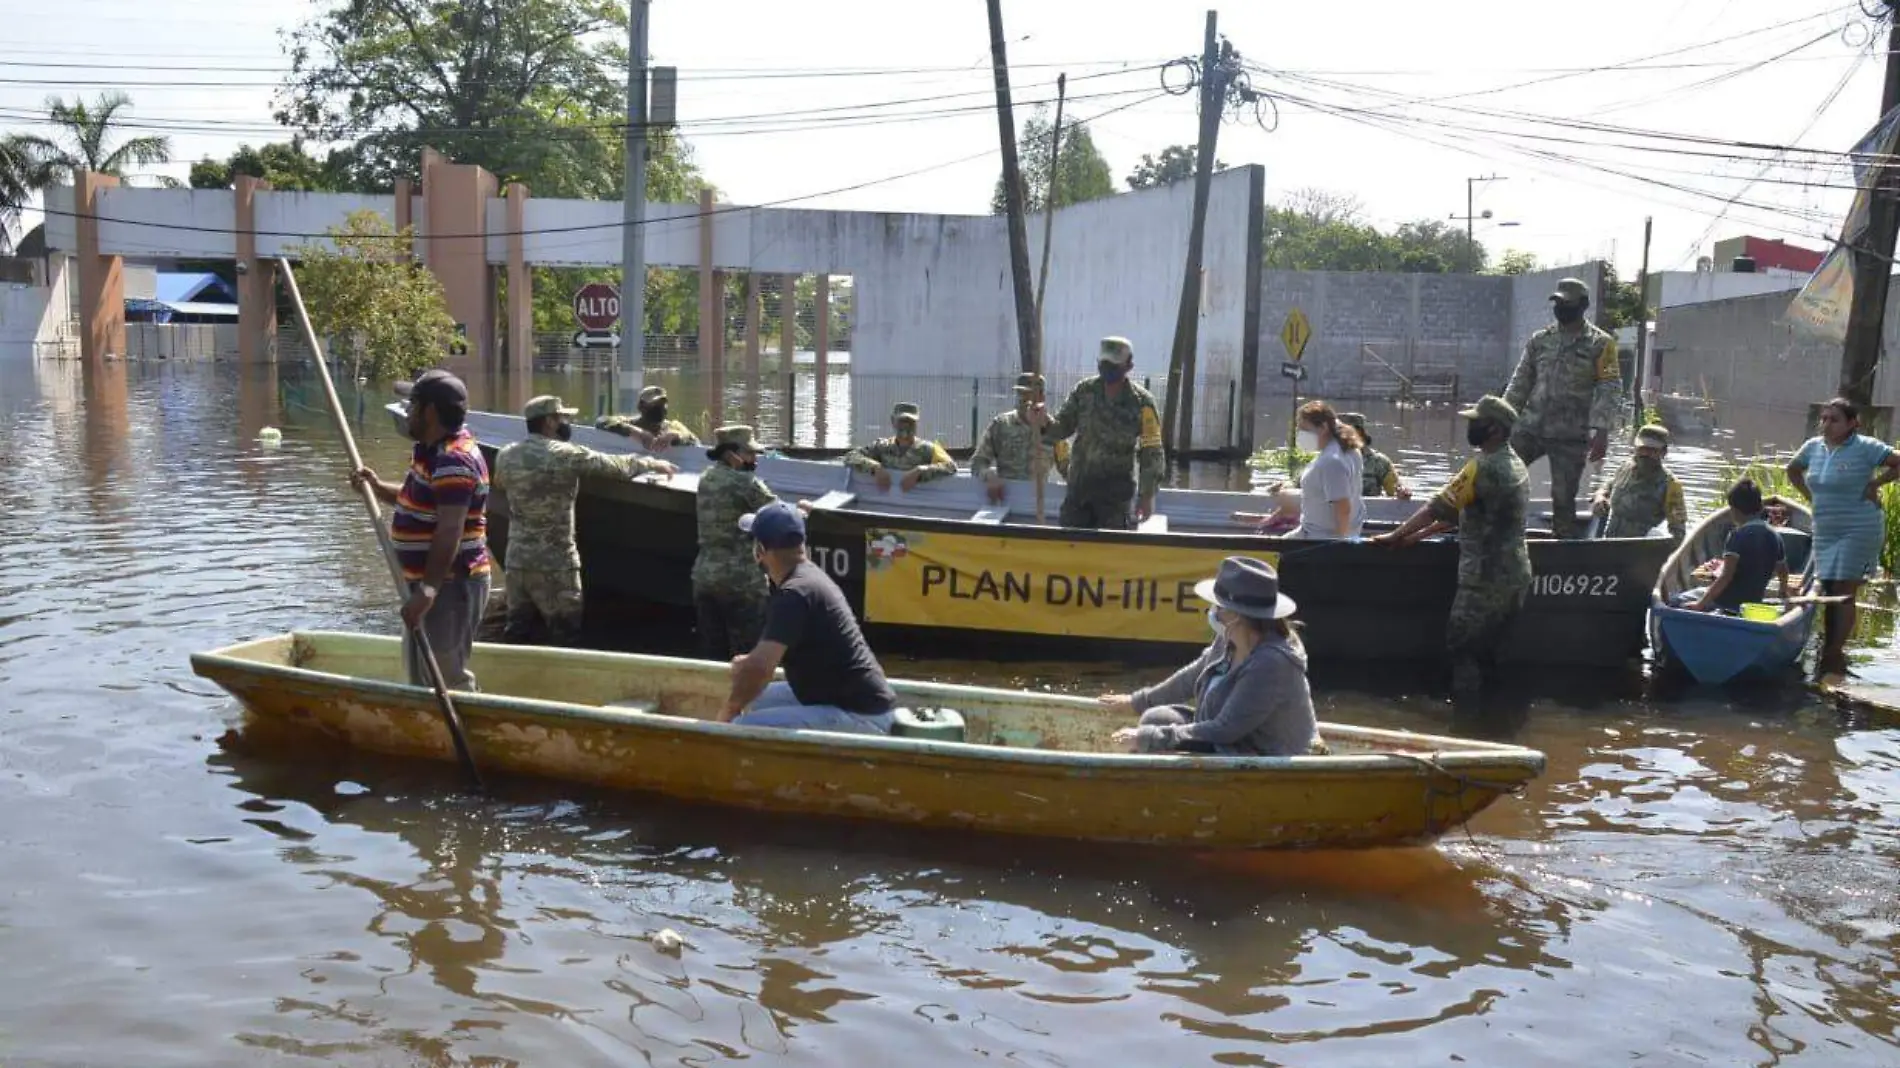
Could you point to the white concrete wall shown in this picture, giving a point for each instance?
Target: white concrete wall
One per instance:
(284, 217)
(192, 223)
(1676, 288)
(30, 314)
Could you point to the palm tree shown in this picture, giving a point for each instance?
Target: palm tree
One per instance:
(87, 133)
(18, 170)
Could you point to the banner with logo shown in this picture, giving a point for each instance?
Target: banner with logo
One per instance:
(1130, 591)
(1820, 309)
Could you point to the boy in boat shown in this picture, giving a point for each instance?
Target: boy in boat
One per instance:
(1643, 493)
(832, 681)
(917, 459)
(1751, 555)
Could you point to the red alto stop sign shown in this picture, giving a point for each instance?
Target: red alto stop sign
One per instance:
(597, 306)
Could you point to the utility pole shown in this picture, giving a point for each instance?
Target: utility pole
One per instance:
(1873, 258)
(1027, 333)
(1049, 208)
(1471, 216)
(1180, 397)
(633, 246)
(1642, 328)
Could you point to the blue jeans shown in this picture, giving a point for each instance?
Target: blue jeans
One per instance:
(779, 707)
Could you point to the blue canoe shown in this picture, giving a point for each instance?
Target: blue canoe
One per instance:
(1715, 649)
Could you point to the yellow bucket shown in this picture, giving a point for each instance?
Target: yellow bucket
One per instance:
(1761, 613)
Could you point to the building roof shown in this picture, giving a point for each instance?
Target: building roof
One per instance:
(174, 288)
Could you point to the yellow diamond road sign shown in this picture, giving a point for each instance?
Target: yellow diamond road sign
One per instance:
(1296, 333)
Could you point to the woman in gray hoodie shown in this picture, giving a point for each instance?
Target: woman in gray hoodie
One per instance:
(1246, 695)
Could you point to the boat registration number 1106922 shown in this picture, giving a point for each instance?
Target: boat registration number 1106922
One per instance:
(1574, 585)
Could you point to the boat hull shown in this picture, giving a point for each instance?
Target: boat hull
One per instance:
(341, 687)
(1023, 591)
(1716, 649)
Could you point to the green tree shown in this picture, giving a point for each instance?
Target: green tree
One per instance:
(284, 164)
(86, 141)
(524, 88)
(1317, 230)
(17, 172)
(1175, 164)
(1622, 301)
(1516, 261)
(1084, 173)
(368, 296)
(1429, 246)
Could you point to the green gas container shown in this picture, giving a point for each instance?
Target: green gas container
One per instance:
(935, 724)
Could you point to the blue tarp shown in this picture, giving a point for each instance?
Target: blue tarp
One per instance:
(176, 288)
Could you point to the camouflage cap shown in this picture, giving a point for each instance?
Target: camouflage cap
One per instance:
(1493, 408)
(1119, 350)
(651, 395)
(904, 412)
(1028, 382)
(1653, 436)
(545, 405)
(1571, 289)
(737, 436)
(1357, 422)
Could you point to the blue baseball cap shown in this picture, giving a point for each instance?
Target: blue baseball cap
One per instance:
(775, 526)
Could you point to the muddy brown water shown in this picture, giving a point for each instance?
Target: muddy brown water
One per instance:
(1703, 879)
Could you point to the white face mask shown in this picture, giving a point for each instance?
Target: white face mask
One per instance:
(1306, 441)
(1214, 623)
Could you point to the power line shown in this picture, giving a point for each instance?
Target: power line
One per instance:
(587, 227)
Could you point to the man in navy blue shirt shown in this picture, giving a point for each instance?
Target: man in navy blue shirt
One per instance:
(1752, 555)
(832, 682)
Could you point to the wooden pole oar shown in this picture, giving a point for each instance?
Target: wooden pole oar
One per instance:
(443, 702)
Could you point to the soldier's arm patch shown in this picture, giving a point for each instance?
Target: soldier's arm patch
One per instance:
(1150, 428)
(1609, 368)
(1457, 494)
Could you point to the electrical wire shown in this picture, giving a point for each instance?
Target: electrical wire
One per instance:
(587, 227)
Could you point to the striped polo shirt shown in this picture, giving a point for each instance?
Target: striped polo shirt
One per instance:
(441, 476)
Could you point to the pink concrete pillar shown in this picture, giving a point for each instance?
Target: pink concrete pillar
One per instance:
(101, 277)
(405, 204)
(256, 283)
(455, 216)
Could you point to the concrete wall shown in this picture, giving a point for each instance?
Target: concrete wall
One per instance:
(1426, 326)
(35, 314)
(1743, 352)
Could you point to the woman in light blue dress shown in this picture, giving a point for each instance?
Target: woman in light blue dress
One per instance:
(1840, 473)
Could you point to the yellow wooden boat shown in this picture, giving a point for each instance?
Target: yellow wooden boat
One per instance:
(1029, 764)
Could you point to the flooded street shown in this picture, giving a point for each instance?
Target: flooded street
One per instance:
(1708, 880)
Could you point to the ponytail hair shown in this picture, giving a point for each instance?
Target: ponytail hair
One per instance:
(1320, 413)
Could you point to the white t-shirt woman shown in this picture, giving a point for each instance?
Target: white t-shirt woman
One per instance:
(1332, 488)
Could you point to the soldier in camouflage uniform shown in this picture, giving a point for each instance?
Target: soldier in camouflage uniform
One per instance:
(1381, 477)
(1115, 425)
(652, 429)
(542, 475)
(729, 590)
(1643, 493)
(917, 459)
(1568, 391)
(1488, 501)
(1005, 451)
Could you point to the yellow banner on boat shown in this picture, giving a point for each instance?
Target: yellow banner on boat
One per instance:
(1129, 591)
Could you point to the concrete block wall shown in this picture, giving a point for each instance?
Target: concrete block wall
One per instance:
(1744, 352)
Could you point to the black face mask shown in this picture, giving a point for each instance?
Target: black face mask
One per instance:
(1111, 372)
(1477, 432)
(1567, 314)
(749, 465)
(565, 431)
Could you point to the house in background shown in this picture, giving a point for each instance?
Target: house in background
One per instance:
(180, 297)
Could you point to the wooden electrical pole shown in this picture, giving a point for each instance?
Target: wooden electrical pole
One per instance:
(1642, 329)
(1873, 256)
(1180, 398)
(1028, 335)
(1049, 205)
